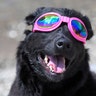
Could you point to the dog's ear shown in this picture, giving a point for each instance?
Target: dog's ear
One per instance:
(89, 27)
(31, 18)
(27, 32)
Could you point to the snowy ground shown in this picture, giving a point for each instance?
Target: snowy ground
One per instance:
(12, 13)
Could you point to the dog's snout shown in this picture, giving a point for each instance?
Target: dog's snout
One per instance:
(63, 44)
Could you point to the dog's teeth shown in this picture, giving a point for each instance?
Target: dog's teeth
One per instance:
(46, 59)
(51, 69)
(48, 65)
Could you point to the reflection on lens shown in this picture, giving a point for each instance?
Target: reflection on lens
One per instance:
(79, 28)
(48, 20)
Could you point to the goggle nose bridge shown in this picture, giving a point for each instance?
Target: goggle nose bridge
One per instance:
(65, 19)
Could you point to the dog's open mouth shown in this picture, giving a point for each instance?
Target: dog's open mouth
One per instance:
(53, 64)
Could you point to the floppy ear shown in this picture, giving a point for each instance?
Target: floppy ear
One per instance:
(31, 18)
(27, 32)
(89, 27)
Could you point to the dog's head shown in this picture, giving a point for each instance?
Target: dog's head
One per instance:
(55, 55)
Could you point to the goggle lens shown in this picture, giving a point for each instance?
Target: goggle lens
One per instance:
(48, 21)
(79, 28)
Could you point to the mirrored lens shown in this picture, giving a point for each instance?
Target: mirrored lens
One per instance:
(48, 20)
(79, 28)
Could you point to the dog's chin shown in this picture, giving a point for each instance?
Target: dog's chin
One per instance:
(54, 66)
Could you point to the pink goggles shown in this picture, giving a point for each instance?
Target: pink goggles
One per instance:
(51, 20)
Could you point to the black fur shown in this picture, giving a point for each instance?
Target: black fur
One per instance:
(32, 79)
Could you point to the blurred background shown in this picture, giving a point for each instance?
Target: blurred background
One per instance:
(12, 14)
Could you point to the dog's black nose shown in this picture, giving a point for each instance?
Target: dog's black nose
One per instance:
(63, 44)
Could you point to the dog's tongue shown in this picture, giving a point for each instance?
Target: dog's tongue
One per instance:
(57, 63)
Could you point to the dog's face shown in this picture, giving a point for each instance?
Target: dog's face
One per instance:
(55, 55)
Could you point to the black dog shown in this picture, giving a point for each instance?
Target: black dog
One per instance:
(35, 77)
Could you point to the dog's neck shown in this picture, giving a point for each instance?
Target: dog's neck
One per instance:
(72, 85)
